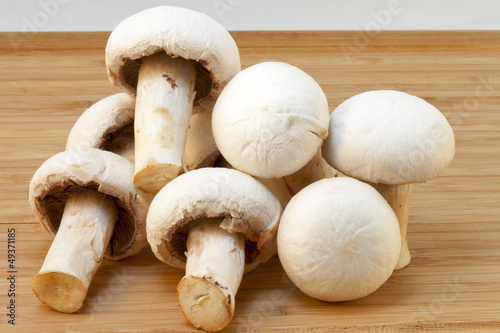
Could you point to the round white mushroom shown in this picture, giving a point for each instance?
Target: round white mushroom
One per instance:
(338, 239)
(270, 120)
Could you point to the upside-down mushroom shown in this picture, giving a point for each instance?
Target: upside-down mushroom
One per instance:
(171, 58)
(109, 125)
(85, 197)
(216, 223)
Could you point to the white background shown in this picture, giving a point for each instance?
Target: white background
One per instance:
(104, 15)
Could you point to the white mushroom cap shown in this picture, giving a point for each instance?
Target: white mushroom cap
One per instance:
(389, 137)
(112, 119)
(98, 125)
(338, 239)
(270, 120)
(213, 192)
(278, 186)
(103, 171)
(179, 32)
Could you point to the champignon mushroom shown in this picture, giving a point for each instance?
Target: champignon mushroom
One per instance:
(390, 139)
(316, 169)
(278, 187)
(85, 197)
(108, 125)
(270, 120)
(216, 223)
(338, 240)
(171, 58)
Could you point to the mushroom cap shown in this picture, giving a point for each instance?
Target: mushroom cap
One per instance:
(98, 124)
(338, 239)
(270, 120)
(213, 192)
(179, 32)
(112, 118)
(389, 137)
(103, 171)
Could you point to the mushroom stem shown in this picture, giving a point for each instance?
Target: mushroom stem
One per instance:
(214, 268)
(316, 169)
(165, 96)
(76, 252)
(398, 197)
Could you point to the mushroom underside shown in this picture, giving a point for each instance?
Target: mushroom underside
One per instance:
(54, 201)
(109, 137)
(203, 85)
(178, 239)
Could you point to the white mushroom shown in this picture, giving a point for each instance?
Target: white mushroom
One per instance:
(278, 187)
(217, 223)
(338, 240)
(108, 125)
(390, 139)
(85, 197)
(171, 58)
(270, 120)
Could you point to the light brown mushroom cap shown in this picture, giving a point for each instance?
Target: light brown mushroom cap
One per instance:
(97, 126)
(389, 137)
(213, 192)
(108, 173)
(179, 32)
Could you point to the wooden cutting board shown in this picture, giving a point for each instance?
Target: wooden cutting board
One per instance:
(453, 282)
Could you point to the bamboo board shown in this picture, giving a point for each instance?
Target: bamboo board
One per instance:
(453, 282)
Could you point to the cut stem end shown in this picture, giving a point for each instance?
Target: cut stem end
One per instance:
(214, 269)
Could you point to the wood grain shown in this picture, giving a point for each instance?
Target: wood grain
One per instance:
(453, 282)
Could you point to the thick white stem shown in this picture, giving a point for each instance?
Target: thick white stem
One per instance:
(214, 269)
(165, 96)
(76, 252)
(398, 197)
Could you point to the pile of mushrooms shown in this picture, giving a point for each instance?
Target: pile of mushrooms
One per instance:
(220, 168)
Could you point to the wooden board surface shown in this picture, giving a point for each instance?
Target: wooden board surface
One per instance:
(453, 282)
